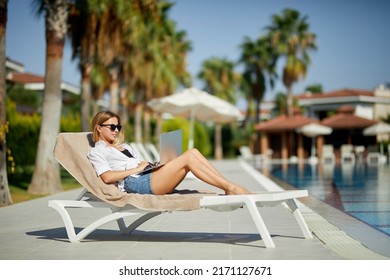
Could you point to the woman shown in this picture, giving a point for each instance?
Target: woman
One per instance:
(119, 164)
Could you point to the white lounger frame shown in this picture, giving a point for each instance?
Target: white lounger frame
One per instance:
(217, 203)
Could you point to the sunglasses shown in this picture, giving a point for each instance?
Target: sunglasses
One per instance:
(112, 126)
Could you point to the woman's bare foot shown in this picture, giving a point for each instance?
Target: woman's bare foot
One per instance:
(237, 190)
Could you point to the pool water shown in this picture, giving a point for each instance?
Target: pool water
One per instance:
(362, 191)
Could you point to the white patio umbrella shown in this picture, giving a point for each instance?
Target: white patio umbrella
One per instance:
(196, 104)
(313, 130)
(377, 129)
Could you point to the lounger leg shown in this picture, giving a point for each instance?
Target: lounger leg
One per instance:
(298, 216)
(66, 219)
(61, 207)
(128, 229)
(93, 226)
(260, 225)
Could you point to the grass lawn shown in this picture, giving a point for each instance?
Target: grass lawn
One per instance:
(18, 185)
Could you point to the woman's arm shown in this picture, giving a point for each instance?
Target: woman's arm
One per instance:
(112, 176)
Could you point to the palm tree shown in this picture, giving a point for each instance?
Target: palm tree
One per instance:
(141, 46)
(126, 46)
(5, 196)
(97, 35)
(221, 80)
(114, 22)
(46, 176)
(156, 60)
(169, 68)
(292, 39)
(170, 55)
(314, 88)
(280, 104)
(83, 24)
(259, 60)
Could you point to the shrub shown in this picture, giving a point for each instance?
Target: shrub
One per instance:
(23, 135)
(71, 123)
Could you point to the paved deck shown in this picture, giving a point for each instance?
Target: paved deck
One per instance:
(33, 231)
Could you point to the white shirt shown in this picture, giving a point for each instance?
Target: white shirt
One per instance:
(106, 158)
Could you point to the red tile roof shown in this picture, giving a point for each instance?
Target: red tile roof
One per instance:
(346, 119)
(283, 122)
(26, 78)
(37, 82)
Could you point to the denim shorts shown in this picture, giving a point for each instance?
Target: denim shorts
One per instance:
(139, 185)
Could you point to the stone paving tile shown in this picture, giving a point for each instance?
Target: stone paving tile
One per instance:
(32, 230)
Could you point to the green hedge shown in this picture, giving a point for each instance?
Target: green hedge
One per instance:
(22, 137)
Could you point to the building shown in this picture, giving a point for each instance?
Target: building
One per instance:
(16, 75)
(347, 111)
(372, 105)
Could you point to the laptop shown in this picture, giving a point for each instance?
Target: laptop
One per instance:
(170, 148)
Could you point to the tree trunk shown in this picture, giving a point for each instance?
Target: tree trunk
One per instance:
(289, 102)
(138, 122)
(5, 196)
(85, 98)
(158, 128)
(95, 107)
(256, 144)
(147, 132)
(125, 107)
(218, 142)
(46, 177)
(114, 91)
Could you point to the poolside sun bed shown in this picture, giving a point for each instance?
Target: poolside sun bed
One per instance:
(71, 150)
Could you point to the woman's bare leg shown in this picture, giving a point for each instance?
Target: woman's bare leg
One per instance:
(168, 177)
(236, 188)
(206, 162)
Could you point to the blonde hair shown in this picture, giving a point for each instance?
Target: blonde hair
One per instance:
(99, 119)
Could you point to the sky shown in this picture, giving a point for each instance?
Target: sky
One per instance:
(353, 38)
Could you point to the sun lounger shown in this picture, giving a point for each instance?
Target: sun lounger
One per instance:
(374, 157)
(71, 150)
(347, 154)
(328, 156)
(153, 151)
(257, 160)
(141, 151)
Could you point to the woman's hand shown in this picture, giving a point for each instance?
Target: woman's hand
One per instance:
(111, 176)
(142, 165)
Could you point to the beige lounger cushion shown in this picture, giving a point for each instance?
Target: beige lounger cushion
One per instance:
(71, 152)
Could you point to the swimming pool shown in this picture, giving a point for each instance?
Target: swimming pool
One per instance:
(362, 191)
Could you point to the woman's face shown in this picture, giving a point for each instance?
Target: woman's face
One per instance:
(109, 130)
